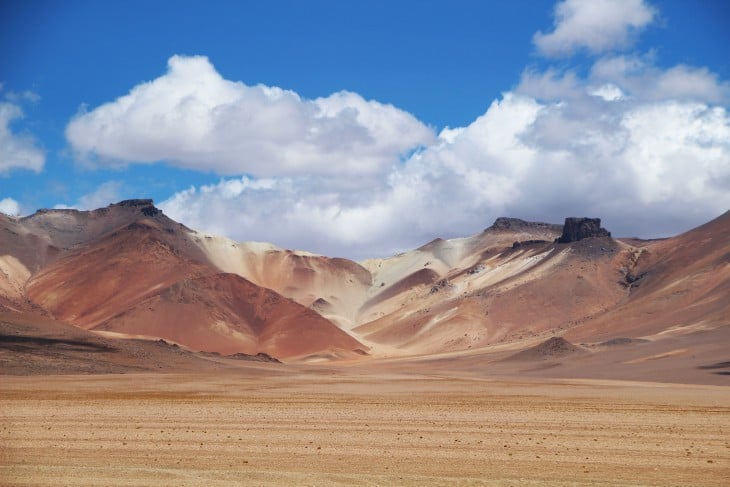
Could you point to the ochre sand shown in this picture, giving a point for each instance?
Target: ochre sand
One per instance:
(266, 424)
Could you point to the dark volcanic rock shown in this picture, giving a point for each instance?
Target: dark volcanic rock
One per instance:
(146, 206)
(443, 283)
(522, 243)
(555, 347)
(515, 224)
(259, 357)
(321, 304)
(576, 229)
(132, 203)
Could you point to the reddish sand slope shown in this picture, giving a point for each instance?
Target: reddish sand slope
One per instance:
(96, 282)
(593, 290)
(148, 277)
(226, 313)
(33, 345)
(679, 285)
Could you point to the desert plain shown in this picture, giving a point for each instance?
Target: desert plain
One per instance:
(266, 424)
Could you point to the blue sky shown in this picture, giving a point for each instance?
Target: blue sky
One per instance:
(320, 125)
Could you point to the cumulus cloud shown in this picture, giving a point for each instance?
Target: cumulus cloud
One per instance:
(621, 77)
(106, 193)
(648, 168)
(192, 117)
(595, 25)
(17, 150)
(643, 79)
(9, 207)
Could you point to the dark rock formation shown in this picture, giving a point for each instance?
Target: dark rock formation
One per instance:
(259, 357)
(522, 243)
(442, 284)
(146, 206)
(631, 280)
(576, 229)
(617, 342)
(555, 347)
(320, 304)
(515, 224)
(477, 269)
(133, 203)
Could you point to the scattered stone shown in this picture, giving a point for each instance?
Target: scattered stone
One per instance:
(443, 283)
(320, 304)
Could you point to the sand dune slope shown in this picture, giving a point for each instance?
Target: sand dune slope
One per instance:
(226, 313)
(333, 287)
(675, 286)
(93, 283)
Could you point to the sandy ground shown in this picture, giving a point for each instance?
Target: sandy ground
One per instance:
(268, 424)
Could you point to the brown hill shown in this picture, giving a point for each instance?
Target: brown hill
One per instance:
(92, 283)
(226, 313)
(30, 344)
(108, 262)
(503, 294)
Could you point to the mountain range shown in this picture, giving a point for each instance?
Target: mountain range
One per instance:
(518, 296)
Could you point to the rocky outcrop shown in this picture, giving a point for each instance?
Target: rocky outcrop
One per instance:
(555, 347)
(146, 206)
(259, 357)
(576, 229)
(133, 203)
(515, 224)
(523, 243)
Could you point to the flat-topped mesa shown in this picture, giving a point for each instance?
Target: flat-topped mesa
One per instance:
(135, 202)
(516, 224)
(146, 206)
(579, 228)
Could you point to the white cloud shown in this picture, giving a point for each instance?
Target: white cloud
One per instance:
(647, 168)
(194, 118)
(9, 206)
(627, 77)
(609, 92)
(106, 193)
(641, 78)
(595, 25)
(17, 150)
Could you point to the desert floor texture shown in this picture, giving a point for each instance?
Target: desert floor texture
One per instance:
(316, 425)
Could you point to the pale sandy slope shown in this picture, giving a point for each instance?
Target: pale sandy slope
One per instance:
(352, 294)
(480, 291)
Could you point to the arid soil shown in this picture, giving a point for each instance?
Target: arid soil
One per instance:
(265, 424)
